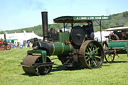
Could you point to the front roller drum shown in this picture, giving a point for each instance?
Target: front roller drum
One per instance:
(32, 65)
(91, 54)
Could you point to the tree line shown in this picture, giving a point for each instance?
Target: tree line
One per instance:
(119, 19)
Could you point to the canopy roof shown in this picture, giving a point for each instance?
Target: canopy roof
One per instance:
(79, 19)
(117, 28)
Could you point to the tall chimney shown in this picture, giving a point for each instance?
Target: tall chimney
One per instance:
(45, 25)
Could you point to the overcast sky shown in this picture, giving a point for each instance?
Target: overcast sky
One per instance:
(16, 14)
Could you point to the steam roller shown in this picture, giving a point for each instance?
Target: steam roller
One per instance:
(74, 49)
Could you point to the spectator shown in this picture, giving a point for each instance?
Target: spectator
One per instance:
(26, 44)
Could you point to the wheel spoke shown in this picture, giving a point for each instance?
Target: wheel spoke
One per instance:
(91, 45)
(98, 57)
(89, 49)
(88, 59)
(96, 49)
(96, 53)
(88, 62)
(94, 62)
(87, 53)
(93, 48)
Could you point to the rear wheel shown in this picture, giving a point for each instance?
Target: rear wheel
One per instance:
(91, 54)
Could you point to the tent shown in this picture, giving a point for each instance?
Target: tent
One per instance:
(104, 34)
(20, 37)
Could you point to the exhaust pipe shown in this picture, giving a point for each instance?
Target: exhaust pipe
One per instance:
(45, 25)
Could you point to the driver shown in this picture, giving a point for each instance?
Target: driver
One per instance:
(89, 28)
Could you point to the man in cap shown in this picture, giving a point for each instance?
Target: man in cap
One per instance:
(90, 31)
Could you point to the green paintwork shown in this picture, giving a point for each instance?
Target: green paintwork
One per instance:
(110, 38)
(63, 18)
(61, 48)
(44, 56)
(91, 17)
(63, 36)
(29, 52)
(42, 52)
(58, 49)
(119, 44)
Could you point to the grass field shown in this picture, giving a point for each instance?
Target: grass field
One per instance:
(109, 74)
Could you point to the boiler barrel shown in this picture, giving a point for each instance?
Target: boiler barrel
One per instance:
(61, 48)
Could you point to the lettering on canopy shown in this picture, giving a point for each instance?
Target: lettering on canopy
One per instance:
(91, 18)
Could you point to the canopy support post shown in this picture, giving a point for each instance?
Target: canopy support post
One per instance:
(100, 32)
(64, 27)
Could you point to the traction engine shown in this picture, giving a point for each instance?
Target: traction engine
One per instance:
(4, 44)
(74, 49)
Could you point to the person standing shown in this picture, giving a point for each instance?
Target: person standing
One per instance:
(26, 44)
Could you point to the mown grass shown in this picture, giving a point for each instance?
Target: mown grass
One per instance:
(109, 74)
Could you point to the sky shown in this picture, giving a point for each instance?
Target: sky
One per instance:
(17, 14)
